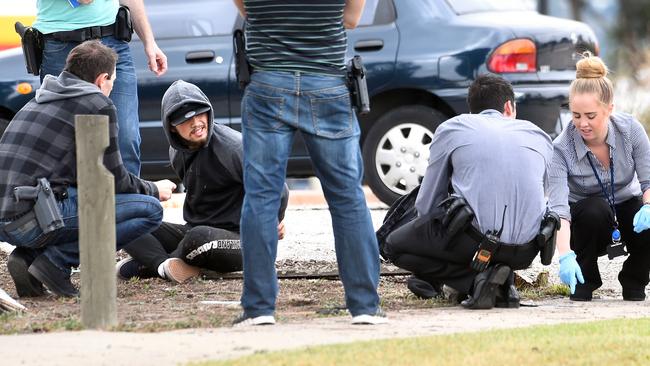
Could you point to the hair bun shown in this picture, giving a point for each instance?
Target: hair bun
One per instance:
(590, 67)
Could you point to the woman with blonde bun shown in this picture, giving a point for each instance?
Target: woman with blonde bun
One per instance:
(599, 184)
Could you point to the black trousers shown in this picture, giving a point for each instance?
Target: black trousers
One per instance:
(423, 247)
(591, 231)
(201, 246)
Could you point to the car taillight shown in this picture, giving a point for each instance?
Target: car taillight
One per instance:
(517, 55)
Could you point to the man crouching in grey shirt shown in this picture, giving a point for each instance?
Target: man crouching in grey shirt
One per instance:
(495, 166)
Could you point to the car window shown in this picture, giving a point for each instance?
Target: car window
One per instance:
(196, 18)
(478, 6)
(377, 12)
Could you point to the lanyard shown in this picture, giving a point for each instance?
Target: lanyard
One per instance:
(602, 186)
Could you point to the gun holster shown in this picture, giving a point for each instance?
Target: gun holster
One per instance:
(356, 80)
(458, 215)
(123, 24)
(547, 236)
(242, 67)
(46, 209)
(32, 43)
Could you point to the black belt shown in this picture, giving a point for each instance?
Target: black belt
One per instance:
(83, 34)
(504, 248)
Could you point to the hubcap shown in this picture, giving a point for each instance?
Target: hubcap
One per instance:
(402, 156)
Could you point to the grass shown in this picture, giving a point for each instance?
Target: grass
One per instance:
(538, 293)
(614, 342)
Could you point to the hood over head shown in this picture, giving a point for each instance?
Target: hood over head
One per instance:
(182, 101)
(64, 86)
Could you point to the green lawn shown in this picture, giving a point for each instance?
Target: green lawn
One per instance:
(612, 342)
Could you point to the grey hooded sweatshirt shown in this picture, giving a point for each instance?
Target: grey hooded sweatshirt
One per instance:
(212, 174)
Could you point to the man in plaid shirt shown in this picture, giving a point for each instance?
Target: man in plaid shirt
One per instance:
(40, 143)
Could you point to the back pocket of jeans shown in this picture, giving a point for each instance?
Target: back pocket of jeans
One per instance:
(264, 112)
(332, 116)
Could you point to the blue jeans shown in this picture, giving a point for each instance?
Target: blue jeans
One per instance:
(135, 215)
(276, 105)
(124, 94)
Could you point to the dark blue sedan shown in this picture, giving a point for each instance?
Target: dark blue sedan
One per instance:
(421, 55)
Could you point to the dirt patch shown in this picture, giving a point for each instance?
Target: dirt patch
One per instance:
(147, 305)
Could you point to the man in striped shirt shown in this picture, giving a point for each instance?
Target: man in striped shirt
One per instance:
(296, 50)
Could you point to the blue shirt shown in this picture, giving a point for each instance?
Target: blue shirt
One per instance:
(571, 178)
(491, 161)
(59, 15)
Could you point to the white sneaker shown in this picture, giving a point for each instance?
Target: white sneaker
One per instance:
(366, 319)
(176, 270)
(244, 321)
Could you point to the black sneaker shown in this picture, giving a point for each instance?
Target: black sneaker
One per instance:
(55, 279)
(18, 263)
(422, 288)
(129, 268)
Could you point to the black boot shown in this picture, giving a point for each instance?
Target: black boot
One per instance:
(485, 287)
(507, 295)
(630, 294)
(54, 278)
(583, 292)
(18, 262)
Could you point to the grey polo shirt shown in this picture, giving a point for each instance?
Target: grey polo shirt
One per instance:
(491, 161)
(571, 178)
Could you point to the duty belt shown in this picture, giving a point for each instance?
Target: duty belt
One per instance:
(82, 34)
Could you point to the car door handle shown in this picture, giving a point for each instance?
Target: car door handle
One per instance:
(369, 45)
(199, 56)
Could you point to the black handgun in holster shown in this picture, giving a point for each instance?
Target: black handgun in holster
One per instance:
(32, 43)
(458, 216)
(547, 236)
(45, 208)
(242, 67)
(356, 76)
(123, 24)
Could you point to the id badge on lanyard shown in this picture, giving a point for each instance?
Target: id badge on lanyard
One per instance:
(617, 247)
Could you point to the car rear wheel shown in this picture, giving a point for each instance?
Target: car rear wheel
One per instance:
(396, 150)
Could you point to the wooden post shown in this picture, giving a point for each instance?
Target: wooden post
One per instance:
(96, 194)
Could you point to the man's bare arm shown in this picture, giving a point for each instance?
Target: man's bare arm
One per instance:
(156, 58)
(352, 13)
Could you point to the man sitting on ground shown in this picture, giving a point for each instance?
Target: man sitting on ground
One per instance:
(207, 157)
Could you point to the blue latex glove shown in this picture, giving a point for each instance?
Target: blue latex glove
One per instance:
(570, 272)
(642, 219)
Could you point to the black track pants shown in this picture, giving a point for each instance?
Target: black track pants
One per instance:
(202, 246)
